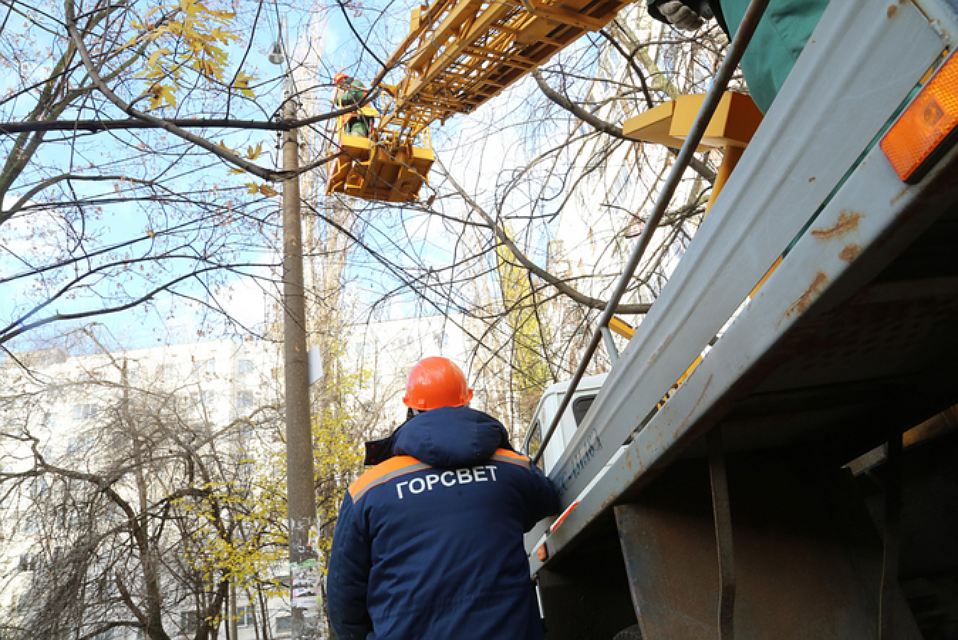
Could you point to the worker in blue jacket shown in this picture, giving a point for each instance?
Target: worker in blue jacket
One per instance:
(428, 545)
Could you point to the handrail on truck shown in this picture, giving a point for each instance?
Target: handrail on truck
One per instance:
(753, 14)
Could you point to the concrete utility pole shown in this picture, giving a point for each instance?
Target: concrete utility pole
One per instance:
(304, 574)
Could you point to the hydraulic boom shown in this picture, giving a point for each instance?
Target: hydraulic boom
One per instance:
(457, 55)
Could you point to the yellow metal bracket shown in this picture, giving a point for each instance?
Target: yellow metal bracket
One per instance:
(621, 327)
(734, 123)
(731, 128)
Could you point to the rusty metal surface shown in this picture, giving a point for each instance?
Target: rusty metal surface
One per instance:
(808, 560)
(722, 516)
(853, 334)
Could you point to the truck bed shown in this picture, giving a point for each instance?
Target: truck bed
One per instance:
(851, 336)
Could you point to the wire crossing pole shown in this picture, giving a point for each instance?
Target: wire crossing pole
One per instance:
(301, 505)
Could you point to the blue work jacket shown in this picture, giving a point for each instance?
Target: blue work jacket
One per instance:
(428, 545)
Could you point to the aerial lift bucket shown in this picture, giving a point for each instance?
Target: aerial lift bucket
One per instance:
(379, 167)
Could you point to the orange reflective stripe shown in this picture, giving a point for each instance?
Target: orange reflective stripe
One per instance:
(511, 457)
(383, 472)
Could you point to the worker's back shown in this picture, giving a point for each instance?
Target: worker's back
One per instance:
(438, 531)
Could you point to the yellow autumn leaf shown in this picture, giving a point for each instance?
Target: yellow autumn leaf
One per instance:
(195, 30)
(254, 152)
(162, 30)
(241, 84)
(154, 59)
(223, 16)
(160, 93)
(268, 191)
(166, 93)
(223, 36)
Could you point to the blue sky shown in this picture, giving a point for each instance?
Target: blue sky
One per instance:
(35, 239)
(379, 26)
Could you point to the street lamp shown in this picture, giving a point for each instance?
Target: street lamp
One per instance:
(276, 55)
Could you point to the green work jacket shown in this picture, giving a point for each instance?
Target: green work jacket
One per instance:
(779, 39)
(351, 96)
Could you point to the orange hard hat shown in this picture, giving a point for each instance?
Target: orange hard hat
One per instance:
(436, 382)
(339, 77)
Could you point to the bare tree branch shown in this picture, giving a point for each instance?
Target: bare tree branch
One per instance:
(560, 285)
(607, 127)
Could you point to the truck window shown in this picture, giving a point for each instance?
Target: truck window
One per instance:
(534, 441)
(580, 406)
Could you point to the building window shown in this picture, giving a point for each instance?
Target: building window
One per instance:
(207, 367)
(80, 445)
(37, 489)
(208, 398)
(28, 562)
(284, 623)
(244, 400)
(245, 367)
(245, 616)
(84, 411)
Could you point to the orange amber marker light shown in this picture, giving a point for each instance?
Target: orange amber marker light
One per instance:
(925, 125)
(542, 552)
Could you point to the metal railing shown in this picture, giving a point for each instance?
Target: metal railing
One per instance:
(743, 36)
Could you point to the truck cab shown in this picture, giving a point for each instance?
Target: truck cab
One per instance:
(582, 399)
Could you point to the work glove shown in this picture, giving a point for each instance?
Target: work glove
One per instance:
(684, 17)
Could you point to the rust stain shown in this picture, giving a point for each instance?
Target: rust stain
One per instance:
(681, 429)
(665, 345)
(901, 194)
(892, 10)
(850, 252)
(847, 221)
(806, 299)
